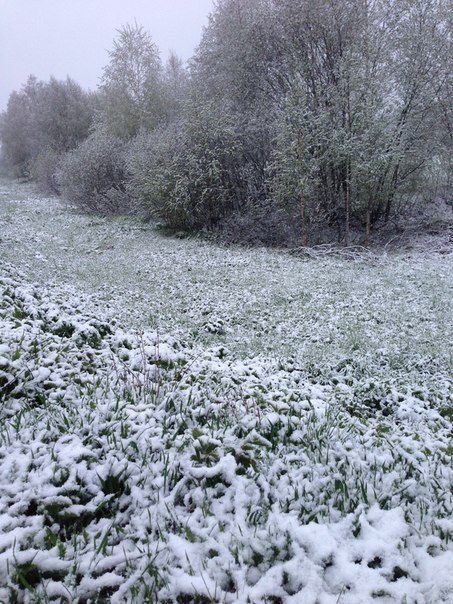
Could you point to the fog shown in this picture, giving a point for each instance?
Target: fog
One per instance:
(72, 37)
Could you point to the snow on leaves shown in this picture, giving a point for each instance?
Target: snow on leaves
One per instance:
(139, 468)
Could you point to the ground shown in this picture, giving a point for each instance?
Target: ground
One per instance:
(186, 422)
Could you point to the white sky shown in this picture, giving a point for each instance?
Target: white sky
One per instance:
(71, 37)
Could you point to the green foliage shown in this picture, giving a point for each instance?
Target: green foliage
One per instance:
(131, 88)
(152, 460)
(348, 92)
(187, 175)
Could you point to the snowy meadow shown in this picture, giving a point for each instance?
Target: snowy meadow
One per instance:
(182, 422)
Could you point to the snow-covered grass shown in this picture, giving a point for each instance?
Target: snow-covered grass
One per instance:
(181, 422)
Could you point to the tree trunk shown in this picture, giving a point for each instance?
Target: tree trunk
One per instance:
(367, 228)
(303, 226)
(347, 237)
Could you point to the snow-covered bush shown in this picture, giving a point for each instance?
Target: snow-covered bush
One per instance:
(43, 170)
(94, 175)
(189, 174)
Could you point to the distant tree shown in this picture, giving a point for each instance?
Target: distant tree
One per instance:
(63, 120)
(17, 128)
(175, 87)
(43, 121)
(64, 114)
(131, 87)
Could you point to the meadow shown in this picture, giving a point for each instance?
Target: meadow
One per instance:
(185, 422)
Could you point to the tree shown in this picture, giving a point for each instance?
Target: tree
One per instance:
(175, 87)
(44, 119)
(295, 165)
(17, 128)
(63, 119)
(369, 72)
(131, 88)
(229, 68)
(64, 114)
(339, 100)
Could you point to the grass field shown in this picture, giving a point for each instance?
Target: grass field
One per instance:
(182, 422)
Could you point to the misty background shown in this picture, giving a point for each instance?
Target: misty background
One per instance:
(66, 37)
(296, 122)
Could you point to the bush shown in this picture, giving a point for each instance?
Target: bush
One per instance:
(261, 223)
(153, 166)
(43, 170)
(188, 175)
(4, 168)
(94, 175)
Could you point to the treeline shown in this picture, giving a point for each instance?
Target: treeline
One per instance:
(296, 122)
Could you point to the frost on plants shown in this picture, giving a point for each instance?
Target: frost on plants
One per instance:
(141, 465)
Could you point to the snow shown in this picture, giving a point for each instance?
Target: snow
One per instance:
(296, 450)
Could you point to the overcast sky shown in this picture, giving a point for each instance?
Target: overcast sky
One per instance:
(71, 37)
